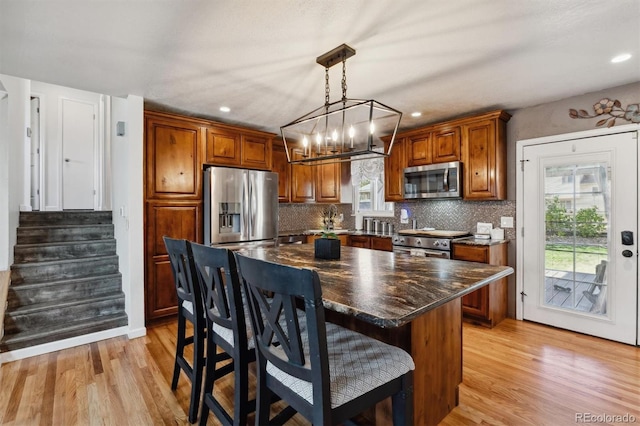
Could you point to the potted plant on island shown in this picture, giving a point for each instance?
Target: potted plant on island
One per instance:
(328, 245)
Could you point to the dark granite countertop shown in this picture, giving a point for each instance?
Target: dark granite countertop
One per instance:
(471, 241)
(383, 288)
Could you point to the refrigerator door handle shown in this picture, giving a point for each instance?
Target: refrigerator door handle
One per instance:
(252, 203)
(245, 206)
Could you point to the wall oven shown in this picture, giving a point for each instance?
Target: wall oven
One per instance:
(433, 181)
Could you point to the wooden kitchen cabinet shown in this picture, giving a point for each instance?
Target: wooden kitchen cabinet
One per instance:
(371, 242)
(394, 166)
(303, 183)
(488, 305)
(344, 239)
(234, 147)
(419, 149)
(328, 182)
(446, 144)
(172, 158)
(280, 165)
(176, 219)
(484, 152)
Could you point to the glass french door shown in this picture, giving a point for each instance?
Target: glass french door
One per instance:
(580, 216)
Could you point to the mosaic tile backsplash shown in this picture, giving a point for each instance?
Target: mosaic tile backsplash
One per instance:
(454, 215)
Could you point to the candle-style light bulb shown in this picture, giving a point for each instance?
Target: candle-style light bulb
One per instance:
(334, 135)
(352, 133)
(305, 142)
(372, 127)
(318, 141)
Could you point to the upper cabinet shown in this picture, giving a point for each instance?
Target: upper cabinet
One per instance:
(173, 159)
(484, 152)
(479, 142)
(328, 182)
(394, 166)
(280, 165)
(303, 186)
(446, 144)
(247, 149)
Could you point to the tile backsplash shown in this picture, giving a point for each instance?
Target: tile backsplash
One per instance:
(455, 215)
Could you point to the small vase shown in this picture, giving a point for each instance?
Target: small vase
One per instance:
(327, 248)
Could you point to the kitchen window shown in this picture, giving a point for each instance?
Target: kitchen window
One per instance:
(367, 178)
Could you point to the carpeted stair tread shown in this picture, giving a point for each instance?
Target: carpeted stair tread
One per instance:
(56, 270)
(62, 331)
(46, 306)
(79, 217)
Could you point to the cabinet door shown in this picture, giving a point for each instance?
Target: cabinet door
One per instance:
(446, 144)
(223, 147)
(256, 152)
(378, 243)
(359, 241)
(344, 239)
(176, 221)
(172, 166)
(328, 183)
(394, 166)
(483, 162)
(280, 165)
(476, 303)
(303, 187)
(419, 150)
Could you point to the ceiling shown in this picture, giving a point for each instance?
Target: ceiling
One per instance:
(444, 58)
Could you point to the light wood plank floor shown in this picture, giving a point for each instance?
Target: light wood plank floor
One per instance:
(519, 373)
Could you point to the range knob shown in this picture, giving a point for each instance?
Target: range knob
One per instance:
(418, 242)
(436, 243)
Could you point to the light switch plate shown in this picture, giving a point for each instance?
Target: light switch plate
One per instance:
(506, 222)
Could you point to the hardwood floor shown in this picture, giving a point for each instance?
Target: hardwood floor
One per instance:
(517, 373)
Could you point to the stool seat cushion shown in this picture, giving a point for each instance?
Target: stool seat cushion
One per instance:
(357, 365)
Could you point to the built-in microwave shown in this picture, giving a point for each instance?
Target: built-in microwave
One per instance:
(441, 180)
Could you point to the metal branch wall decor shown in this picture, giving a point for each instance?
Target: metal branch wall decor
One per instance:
(611, 110)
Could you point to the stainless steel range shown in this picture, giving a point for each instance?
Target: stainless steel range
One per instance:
(426, 243)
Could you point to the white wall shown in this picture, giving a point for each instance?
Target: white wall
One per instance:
(50, 108)
(127, 202)
(4, 181)
(17, 146)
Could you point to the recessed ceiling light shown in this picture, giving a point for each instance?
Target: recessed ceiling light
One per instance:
(621, 58)
(225, 109)
(416, 114)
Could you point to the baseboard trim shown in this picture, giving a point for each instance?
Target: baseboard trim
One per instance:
(138, 332)
(62, 344)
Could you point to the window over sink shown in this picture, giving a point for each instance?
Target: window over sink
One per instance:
(367, 179)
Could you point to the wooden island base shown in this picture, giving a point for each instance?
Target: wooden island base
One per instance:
(434, 340)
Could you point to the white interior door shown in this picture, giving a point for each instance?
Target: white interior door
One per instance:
(78, 147)
(579, 273)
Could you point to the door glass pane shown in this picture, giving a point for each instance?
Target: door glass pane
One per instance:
(577, 208)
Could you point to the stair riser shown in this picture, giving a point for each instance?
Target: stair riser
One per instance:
(64, 218)
(57, 235)
(62, 252)
(15, 323)
(62, 292)
(13, 342)
(34, 272)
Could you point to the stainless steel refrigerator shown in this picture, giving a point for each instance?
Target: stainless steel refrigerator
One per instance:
(240, 207)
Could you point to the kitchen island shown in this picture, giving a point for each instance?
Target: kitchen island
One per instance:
(410, 302)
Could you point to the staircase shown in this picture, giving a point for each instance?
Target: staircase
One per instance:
(65, 280)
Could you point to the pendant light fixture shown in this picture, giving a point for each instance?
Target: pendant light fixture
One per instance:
(345, 130)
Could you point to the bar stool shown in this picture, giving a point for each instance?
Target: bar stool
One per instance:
(190, 308)
(227, 324)
(327, 373)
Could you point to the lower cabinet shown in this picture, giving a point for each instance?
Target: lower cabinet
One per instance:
(175, 220)
(488, 305)
(344, 239)
(375, 243)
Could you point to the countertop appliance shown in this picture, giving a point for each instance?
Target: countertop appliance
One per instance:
(240, 207)
(432, 243)
(441, 180)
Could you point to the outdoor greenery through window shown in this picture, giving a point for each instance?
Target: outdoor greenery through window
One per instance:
(577, 199)
(367, 178)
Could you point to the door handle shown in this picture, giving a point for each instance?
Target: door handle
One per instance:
(627, 253)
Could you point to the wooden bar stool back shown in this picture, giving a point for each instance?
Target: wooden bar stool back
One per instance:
(227, 324)
(327, 373)
(190, 308)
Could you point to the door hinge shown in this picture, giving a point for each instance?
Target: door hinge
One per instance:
(522, 164)
(522, 295)
(28, 132)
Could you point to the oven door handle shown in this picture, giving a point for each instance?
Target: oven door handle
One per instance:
(423, 252)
